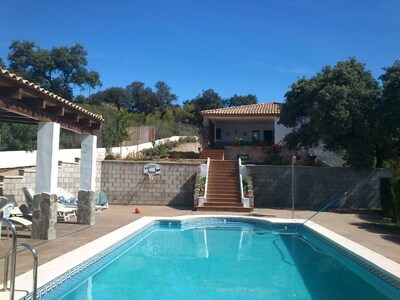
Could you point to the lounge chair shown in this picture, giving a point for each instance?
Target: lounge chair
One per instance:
(28, 193)
(101, 201)
(6, 212)
(65, 213)
(66, 198)
(26, 212)
(3, 201)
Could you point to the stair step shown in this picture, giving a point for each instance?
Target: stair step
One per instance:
(222, 203)
(224, 208)
(212, 153)
(223, 190)
(218, 191)
(223, 199)
(223, 180)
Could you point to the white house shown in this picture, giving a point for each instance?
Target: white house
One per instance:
(254, 123)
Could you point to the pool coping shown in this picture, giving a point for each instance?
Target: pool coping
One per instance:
(51, 270)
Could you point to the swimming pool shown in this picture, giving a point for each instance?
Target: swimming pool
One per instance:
(220, 257)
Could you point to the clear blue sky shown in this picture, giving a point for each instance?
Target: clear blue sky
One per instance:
(232, 46)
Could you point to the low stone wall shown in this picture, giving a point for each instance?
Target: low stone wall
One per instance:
(315, 186)
(125, 183)
(68, 179)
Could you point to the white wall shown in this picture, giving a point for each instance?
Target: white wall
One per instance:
(15, 159)
(280, 131)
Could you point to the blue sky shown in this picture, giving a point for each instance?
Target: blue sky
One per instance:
(240, 47)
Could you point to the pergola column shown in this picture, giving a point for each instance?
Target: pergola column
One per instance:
(48, 140)
(86, 195)
(45, 201)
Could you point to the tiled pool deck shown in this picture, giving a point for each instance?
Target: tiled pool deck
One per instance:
(355, 225)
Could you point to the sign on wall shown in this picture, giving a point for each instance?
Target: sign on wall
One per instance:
(152, 168)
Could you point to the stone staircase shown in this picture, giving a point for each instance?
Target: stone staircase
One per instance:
(223, 190)
(212, 154)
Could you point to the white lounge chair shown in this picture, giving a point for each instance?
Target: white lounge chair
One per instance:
(66, 198)
(65, 213)
(6, 212)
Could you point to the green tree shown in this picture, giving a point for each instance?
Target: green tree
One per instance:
(164, 95)
(209, 99)
(58, 70)
(116, 96)
(389, 119)
(116, 132)
(338, 107)
(142, 98)
(15, 137)
(237, 100)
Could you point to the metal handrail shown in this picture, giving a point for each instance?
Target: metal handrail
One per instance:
(35, 266)
(13, 253)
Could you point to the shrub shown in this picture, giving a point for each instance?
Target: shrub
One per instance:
(396, 202)
(274, 156)
(202, 185)
(245, 185)
(239, 142)
(390, 197)
(112, 156)
(386, 196)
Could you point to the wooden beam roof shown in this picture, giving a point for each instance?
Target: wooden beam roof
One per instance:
(23, 102)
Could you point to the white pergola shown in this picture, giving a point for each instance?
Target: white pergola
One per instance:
(22, 102)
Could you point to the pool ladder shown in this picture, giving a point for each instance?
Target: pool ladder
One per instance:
(13, 254)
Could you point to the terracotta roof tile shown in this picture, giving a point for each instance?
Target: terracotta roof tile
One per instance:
(41, 90)
(260, 109)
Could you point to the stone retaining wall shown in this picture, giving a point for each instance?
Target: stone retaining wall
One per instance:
(68, 179)
(315, 186)
(125, 183)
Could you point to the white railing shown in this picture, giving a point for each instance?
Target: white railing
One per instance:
(204, 173)
(242, 170)
(206, 185)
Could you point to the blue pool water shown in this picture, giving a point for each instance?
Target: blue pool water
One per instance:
(231, 260)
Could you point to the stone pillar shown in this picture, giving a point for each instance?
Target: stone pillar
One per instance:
(47, 157)
(44, 216)
(86, 195)
(86, 207)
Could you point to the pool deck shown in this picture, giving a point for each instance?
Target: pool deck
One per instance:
(354, 225)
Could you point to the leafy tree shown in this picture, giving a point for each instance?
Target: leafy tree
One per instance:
(58, 70)
(209, 99)
(116, 96)
(164, 95)
(237, 100)
(389, 118)
(2, 65)
(116, 132)
(337, 107)
(143, 99)
(15, 137)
